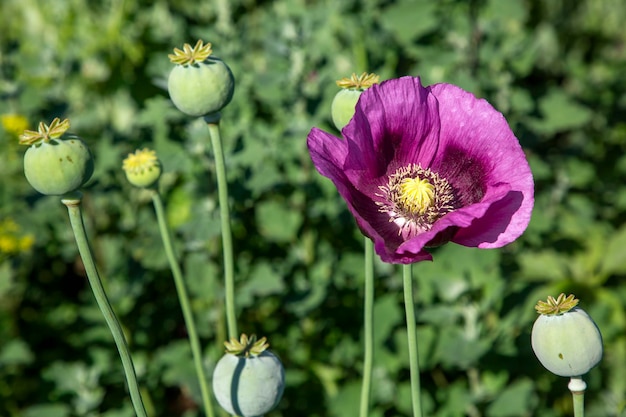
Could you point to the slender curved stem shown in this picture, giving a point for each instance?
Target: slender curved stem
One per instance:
(78, 227)
(577, 386)
(183, 299)
(411, 328)
(368, 326)
(227, 241)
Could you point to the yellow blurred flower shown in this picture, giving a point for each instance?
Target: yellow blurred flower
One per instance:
(14, 124)
(11, 240)
(8, 244)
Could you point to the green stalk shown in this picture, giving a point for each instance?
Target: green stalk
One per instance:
(579, 404)
(411, 327)
(183, 299)
(368, 320)
(72, 202)
(227, 240)
(577, 386)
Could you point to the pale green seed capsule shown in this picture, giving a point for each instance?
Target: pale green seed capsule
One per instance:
(343, 106)
(248, 381)
(567, 343)
(56, 163)
(199, 84)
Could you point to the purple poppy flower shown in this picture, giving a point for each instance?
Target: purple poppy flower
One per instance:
(422, 166)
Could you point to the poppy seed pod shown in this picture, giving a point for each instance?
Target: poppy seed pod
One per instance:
(564, 338)
(199, 84)
(342, 107)
(56, 163)
(344, 102)
(248, 380)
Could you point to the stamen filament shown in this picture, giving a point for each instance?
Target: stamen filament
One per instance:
(415, 198)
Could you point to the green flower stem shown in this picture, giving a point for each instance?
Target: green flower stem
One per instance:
(183, 299)
(577, 386)
(368, 320)
(411, 328)
(72, 202)
(227, 240)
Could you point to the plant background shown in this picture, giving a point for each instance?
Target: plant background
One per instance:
(554, 68)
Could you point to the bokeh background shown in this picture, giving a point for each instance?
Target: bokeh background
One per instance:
(554, 68)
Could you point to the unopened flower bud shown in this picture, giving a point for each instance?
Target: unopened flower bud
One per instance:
(142, 168)
(565, 339)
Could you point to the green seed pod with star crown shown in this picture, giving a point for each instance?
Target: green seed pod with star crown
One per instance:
(564, 338)
(344, 102)
(249, 380)
(200, 84)
(56, 163)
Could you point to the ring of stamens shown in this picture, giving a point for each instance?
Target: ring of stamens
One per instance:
(414, 198)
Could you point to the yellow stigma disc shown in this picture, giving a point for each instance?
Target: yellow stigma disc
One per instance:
(416, 195)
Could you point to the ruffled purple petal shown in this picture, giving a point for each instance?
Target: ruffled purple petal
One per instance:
(328, 154)
(478, 153)
(394, 257)
(453, 223)
(395, 124)
(501, 224)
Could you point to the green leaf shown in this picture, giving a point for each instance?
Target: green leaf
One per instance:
(409, 19)
(518, 399)
(174, 365)
(6, 278)
(547, 265)
(346, 400)
(48, 410)
(614, 261)
(456, 349)
(277, 222)
(387, 315)
(16, 352)
(560, 112)
(263, 281)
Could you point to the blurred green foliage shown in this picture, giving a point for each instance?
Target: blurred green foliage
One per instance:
(554, 68)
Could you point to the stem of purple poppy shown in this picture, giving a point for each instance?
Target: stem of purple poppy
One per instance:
(227, 241)
(368, 328)
(411, 327)
(73, 202)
